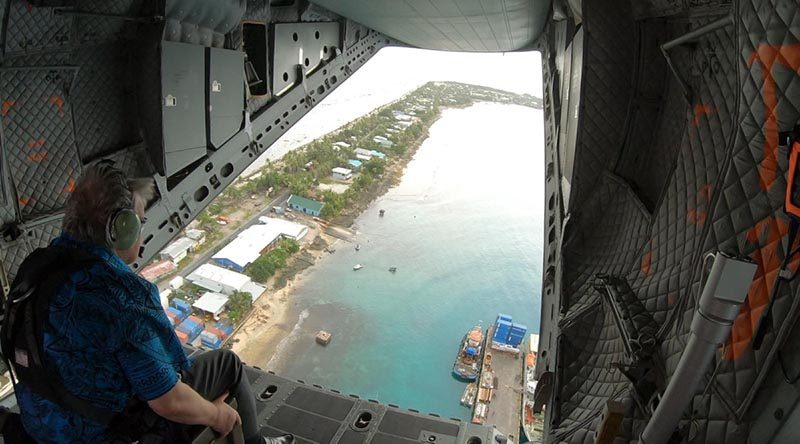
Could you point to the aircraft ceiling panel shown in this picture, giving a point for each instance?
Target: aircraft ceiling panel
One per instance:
(453, 25)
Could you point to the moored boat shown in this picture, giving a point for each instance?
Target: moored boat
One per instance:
(468, 398)
(468, 365)
(357, 267)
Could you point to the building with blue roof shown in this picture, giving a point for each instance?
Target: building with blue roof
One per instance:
(355, 163)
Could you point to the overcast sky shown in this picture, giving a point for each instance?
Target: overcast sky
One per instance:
(517, 72)
(393, 72)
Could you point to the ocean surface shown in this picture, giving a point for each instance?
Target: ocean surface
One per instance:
(464, 229)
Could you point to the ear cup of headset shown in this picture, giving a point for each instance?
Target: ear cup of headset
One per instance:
(124, 229)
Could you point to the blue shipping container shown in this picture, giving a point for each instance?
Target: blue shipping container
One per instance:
(519, 327)
(179, 314)
(210, 344)
(194, 335)
(189, 326)
(500, 338)
(181, 305)
(503, 317)
(226, 328)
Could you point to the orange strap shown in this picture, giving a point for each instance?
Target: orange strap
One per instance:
(789, 206)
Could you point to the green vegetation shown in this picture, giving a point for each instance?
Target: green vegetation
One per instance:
(302, 170)
(265, 266)
(239, 305)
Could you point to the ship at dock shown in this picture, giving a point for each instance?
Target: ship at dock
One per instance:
(532, 421)
(468, 360)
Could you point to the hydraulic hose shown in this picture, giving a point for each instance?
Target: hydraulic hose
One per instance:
(722, 297)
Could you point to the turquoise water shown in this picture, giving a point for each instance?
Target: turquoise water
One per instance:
(464, 229)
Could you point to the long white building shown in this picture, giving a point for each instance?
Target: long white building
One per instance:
(252, 242)
(222, 280)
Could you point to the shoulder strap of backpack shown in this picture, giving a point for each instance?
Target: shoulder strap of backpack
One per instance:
(27, 310)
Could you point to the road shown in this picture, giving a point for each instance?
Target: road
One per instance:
(206, 256)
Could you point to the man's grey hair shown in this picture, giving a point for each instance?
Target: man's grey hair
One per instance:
(101, 190)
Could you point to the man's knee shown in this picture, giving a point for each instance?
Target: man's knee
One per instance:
(227, 355)
(229, 361)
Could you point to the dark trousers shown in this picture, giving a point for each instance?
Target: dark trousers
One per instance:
(213, 373)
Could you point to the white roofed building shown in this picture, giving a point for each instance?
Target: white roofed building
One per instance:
(363, 154)
(221, 280)
(254, 289)
(340, 173)
(254, 241)
(217, 279)
(199, 236)
(211, 303)
(178, 250)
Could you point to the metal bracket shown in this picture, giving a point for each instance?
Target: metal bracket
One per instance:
(301, 74)
(686, 38)
(308, 44)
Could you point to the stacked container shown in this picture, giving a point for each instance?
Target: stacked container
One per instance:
(501, 331)
(183, 337)
(191, 328)
(181, 305)
(210, 340)
(198, 321)
(517, 334)
(225, 328)
(176, 316)
(216, 332)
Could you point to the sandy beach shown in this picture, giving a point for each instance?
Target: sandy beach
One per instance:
(273, 317)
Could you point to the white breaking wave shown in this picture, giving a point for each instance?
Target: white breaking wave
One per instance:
(276, 357)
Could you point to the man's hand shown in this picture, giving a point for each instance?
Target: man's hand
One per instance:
(227, 417)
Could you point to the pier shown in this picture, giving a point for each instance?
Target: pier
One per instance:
(500, 386)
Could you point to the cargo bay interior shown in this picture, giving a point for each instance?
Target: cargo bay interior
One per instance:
(668, 128)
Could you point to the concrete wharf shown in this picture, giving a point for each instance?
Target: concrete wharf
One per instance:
(500, 389)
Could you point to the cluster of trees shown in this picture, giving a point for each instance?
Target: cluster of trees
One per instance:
(239, 305)
(265, 266)
(335, 203)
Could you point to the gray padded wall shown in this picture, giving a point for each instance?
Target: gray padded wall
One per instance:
(688, 179)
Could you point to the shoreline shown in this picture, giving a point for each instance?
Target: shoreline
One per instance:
(276, 314)
(272, 319)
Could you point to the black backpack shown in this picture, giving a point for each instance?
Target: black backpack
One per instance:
(26, 317)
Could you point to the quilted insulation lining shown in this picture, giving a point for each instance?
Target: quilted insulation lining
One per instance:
(606, 91)
(38, 137)
(725, 192)
(66, 100)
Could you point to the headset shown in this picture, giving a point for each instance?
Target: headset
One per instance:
(123, 226)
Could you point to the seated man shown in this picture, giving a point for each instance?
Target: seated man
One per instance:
(111, 343)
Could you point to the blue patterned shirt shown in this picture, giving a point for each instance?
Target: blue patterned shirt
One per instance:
(110, 340)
